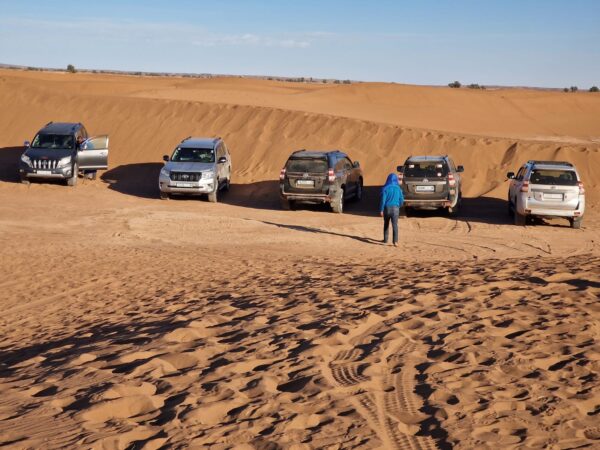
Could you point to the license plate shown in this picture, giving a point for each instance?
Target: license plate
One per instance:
(44, 172)
(425, 188)
(185, 185)
(305, 182)
(553, 196)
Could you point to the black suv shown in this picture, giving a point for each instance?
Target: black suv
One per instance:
(431, 182)
(320, 177)
(61, 151)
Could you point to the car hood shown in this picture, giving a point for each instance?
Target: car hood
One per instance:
(188, 166)
(46, 153)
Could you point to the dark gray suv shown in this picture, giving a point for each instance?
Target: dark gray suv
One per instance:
(63, 151)
(320, 177)
(431, 182)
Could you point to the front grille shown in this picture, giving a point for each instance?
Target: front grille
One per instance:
(47, 164)
(186, 176)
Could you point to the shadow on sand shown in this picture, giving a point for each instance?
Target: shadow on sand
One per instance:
(9, 164)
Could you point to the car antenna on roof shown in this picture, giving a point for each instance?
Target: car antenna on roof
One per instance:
(49, 123)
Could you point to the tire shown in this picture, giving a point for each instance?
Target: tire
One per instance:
(520, 219)
(511, 211)
(91, 175)
(73, 180)
(576, 223)
(164, 196)
(213, 197)
(337, 204)
(285, 204)
(359, 191)
(25, 180)
(227, 185)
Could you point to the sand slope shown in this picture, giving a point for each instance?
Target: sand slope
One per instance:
(130, 322)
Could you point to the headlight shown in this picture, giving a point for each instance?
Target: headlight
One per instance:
(164, 172)
(208, 174)
(26, 159)
(63, 162)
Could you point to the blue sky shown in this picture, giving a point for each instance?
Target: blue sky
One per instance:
(535, 43)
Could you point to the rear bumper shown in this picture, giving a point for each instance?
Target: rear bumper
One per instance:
(530, 207)
(430, 203)
(307, 197)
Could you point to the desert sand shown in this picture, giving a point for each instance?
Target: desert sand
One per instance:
(131, 322)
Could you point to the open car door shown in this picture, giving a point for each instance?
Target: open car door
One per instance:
(93, 153)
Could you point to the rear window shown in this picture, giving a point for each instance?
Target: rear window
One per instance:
(425, 169)
(553, 177)
(307, 165)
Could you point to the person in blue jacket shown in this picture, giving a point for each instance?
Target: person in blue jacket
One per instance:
(389, 208)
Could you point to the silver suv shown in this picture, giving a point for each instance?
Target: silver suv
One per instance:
(431, 182)
(546, 189)
(198, 166)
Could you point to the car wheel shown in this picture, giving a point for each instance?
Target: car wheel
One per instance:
(359, 191)
(73, 180)
(511, 211)
(337, 204)
(164, 196)
(227, 185)
(520, 219)
(25, 180)
(576, 223)
(286, 204)
(213, 196)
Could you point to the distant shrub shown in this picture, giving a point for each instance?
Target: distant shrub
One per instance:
(573, 89)
(71, 68)
(475, 86)
(594, 89)
(455, 84)
(324, 81)
(566, 90)
(347, 82)
(336, 81)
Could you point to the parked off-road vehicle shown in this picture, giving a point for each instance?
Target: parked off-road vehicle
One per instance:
(546, 189)
(198, 166)
(63, 151)
(320, 177)
(431, 182)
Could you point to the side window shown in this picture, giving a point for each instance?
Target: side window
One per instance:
(225, 150)
(451, 164)
(84, 133)
(347, 164)
(219, 150)
(520, 173)
(339, 165)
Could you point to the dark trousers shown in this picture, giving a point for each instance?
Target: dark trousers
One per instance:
(390, 213)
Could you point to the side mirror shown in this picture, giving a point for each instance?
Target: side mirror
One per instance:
(460, 169)
(26, 144)
(400, 169)
(222, 160)
(510, 175)
(166, 158)
(356, 164)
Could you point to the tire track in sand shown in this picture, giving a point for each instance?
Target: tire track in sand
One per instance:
(379, 376)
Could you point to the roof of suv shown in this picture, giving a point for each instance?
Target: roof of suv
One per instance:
(315, 153)
(199, 142)
(61, 127)
(425, 158)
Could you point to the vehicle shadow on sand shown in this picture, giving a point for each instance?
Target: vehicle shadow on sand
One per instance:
(9, 164)
(139, 180)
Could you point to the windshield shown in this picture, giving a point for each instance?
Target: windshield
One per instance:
(307, 165)
(425, 169)
(186, 154)
(553, 177)
(54, 141)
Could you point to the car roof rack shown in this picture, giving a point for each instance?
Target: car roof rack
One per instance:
(49, 123)
(217, 139)
(185, 139)
(550, 163)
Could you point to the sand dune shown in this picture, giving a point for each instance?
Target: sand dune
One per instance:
(130, 322)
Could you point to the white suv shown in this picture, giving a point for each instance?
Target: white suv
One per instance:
(198, 166)
(546, 189)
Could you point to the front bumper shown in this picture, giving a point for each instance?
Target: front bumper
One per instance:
(57, 173)
(204, 186)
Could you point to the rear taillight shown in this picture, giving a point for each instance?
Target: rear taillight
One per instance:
(331, 175)
(581, 189)
(525, 186)
(451, 180)
(282, 174)
(400, 178)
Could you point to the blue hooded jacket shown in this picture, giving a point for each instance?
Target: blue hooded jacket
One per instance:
(391, 193)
